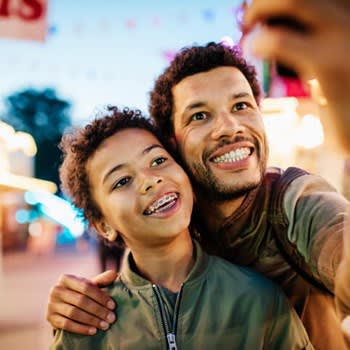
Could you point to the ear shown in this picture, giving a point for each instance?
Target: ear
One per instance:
(105, 230)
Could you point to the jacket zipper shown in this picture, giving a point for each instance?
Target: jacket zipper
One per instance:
(170, 333)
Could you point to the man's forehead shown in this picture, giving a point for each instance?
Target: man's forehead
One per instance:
(192, 89)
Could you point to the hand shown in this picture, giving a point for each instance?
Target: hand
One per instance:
(321, 51)
(79, 306)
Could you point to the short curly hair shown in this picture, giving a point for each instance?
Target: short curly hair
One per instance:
(189, 61)
(80, 144)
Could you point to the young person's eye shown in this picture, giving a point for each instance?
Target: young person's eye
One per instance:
(121, 182)
(240, 106)
(198, 116)
(158, 161)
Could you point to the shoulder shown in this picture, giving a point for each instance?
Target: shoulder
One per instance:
(245, 279)
(119, 289)
(67, 340)
(250, 294)
(310, 189)
(294, 187)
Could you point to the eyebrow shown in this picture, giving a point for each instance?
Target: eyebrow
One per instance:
(202, 104)
(240, 95)
(122, 165)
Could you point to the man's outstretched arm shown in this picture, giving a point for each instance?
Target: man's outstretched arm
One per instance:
(79, 305)
(326, 25)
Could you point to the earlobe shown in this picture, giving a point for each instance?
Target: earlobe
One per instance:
(106, 231)
(111, 234)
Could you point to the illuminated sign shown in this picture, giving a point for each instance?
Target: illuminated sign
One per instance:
(23, 19)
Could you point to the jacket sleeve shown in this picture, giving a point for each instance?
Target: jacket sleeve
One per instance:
(285, 330)
(316, 214)
(342, 280)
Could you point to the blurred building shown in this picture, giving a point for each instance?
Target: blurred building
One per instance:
(296, 138)
(17, 150)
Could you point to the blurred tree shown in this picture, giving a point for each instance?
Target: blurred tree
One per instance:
(45, 116)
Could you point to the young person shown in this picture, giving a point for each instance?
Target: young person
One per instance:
(170, 293)
(288, 225)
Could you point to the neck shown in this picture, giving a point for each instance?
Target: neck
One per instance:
(168, 264)
(214, 213)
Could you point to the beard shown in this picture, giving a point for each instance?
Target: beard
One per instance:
(211, 188)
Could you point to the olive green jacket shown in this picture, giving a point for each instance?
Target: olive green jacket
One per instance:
(220, 306)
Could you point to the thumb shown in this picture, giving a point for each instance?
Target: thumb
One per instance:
(104, 278)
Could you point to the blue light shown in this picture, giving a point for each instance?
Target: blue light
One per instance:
(57, 209)
(30, 197)
(22, 216)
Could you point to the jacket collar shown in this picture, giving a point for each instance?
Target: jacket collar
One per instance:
(133, 279)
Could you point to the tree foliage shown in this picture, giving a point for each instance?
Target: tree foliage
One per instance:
(45, 116)
(40, 113)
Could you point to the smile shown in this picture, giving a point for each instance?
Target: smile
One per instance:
(162, 204)
(233, 156)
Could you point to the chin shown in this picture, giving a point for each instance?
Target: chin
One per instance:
(179, 226)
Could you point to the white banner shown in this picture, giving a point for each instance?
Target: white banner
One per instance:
(23, 19)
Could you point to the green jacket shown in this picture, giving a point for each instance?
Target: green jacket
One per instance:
(220, 306)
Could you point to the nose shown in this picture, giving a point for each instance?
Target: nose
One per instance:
(149, 182)
(225, 125)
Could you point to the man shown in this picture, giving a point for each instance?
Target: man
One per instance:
(287, 226)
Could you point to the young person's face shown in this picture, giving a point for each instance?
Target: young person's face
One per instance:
(220, 132)
(142, 192)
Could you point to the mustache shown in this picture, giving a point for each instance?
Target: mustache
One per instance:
(227, 142)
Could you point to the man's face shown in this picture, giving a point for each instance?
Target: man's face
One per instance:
(141, 191)
(220, 132)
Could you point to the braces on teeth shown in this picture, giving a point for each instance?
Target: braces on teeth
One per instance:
(165, 199)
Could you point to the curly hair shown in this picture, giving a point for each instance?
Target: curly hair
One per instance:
(189, 61)
(80, 144)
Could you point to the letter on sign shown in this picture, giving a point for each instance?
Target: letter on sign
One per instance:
(23, 19)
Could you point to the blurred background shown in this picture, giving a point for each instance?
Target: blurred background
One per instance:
(60, 62)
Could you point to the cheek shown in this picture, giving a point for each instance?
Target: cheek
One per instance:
(189, 144)
(120, 212)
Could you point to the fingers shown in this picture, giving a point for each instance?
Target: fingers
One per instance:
(76, 306)
(285, 46)
(59, 322)
(73, 319)
(86, 288)
(105, 278)
(303, 11)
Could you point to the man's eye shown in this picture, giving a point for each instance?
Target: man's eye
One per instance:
(240, 106)
(122, 182)
(198, 116)
(158, 161)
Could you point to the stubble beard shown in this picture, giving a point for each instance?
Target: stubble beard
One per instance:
(211, 188)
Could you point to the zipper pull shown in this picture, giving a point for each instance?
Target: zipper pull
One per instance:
(171, 341)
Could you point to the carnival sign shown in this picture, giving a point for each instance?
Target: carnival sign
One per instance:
(23, 19)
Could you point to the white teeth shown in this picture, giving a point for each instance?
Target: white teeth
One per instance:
(233, 156)
(165, 202)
